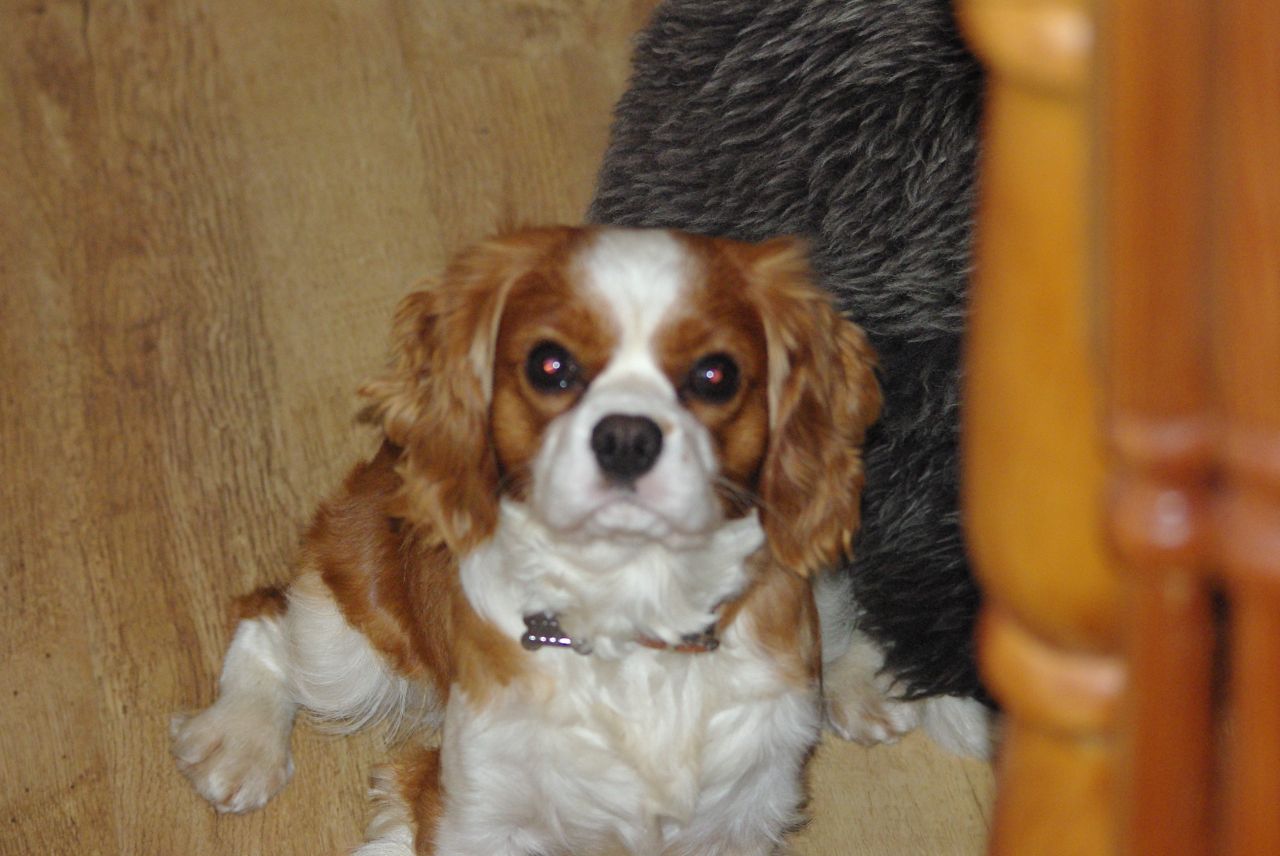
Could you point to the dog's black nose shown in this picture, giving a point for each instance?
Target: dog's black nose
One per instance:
(626, 447)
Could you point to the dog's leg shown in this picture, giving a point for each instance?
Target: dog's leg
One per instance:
(236, 752)
(294, 651)
(407, 805)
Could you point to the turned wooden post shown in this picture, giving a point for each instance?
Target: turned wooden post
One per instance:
(1153, 262)
(1033, 444)
(1246, 324)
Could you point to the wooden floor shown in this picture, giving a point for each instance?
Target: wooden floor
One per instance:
(207, 210)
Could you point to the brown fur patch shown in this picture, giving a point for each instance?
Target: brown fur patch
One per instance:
(418, 776)
(401, 589)
(266, 602)
(408, 791)
(434, 401)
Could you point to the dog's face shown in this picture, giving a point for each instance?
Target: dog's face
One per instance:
(628, 384)
(631, 390)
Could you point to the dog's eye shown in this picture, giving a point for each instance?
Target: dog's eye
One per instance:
(713, 379)
(550, 368)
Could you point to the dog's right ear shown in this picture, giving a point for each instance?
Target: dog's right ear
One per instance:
(433, 400)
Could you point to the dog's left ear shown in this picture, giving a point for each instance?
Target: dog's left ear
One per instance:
(433, 401)
(823, 395)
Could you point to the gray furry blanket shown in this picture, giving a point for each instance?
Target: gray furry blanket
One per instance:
(853, 123)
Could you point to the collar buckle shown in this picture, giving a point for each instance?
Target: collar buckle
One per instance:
(542, 629)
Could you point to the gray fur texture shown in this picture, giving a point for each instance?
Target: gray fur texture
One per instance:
(853, 124)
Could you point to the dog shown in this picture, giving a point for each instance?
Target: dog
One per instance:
(613, 463)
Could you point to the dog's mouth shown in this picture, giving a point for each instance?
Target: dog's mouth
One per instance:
(626, 512)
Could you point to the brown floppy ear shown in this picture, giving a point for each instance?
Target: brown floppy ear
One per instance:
(823, 395)
(433, 401)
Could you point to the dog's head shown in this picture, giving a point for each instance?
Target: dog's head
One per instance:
(631, 384)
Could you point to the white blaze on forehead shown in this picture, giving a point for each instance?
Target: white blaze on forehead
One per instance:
(641, 274)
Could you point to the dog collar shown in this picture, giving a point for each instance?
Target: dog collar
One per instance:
(542, 630)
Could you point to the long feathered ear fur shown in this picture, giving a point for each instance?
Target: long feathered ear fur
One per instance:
(823, 396)
(433, 401)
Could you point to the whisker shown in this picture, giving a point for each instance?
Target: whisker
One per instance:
(736, 493)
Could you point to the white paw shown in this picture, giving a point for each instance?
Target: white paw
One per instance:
(235, 754)
(859, 702)
(400, 843)
(870, 718)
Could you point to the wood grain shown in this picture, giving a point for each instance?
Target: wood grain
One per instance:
(207, 211)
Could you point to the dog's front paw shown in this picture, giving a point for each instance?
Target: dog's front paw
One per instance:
(234, 754)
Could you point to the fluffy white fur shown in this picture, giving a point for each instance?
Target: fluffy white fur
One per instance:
(645, 755)
(654, 751)
(338, 677)
(609, 592)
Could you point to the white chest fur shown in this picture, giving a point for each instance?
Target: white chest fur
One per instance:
(656, 752)
(651, 751)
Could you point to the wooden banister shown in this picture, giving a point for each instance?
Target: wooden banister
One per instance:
(1033, 447)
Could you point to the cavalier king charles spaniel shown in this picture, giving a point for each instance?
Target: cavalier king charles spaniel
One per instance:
(614, 464)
